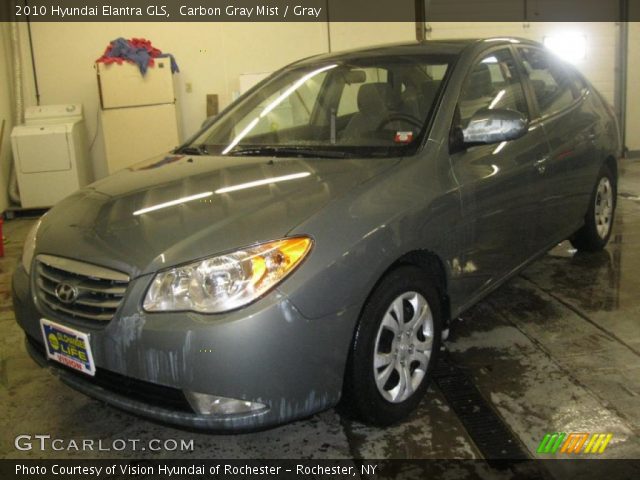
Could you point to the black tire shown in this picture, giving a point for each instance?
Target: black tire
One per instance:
(361, 396)
(587, 239)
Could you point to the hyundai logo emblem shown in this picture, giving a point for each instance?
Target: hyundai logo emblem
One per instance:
(66, 293)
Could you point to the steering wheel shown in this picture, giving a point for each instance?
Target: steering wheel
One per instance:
(403, 117)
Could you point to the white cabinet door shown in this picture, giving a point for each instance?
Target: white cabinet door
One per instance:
(124, 86)
(134, 134)
(42, 149)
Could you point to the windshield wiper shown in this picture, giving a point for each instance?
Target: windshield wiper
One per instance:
(288, 151)
(197, 150)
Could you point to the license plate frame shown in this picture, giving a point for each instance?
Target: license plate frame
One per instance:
(68, 346)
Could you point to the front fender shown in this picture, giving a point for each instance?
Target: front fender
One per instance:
(358, 237)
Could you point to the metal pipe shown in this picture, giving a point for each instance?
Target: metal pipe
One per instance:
(33, 60)
(17, 74)
(622, 64)
(18, 114)
(328, 28)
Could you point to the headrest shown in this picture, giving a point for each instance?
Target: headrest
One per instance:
(374, 97)
(479, 82)
(429, 89)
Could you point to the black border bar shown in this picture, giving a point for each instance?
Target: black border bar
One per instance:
(201, 469)
(319, 10)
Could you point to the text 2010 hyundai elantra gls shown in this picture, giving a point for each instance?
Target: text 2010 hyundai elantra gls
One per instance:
(312, 241)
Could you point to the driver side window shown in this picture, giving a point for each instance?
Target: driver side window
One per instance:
(492, 83)
(280, 112)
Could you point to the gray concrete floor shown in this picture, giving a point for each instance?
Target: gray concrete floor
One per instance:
(555, 349)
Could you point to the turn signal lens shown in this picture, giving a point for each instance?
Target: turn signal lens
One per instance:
(226, 282)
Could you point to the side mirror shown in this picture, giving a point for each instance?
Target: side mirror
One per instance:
(495, 126)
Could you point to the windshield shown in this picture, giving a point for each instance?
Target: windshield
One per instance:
(375, 106)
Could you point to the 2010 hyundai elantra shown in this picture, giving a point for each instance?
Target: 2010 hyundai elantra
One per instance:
(312, 241)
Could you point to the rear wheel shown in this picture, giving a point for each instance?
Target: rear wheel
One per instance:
(595, 232)
(394, 348)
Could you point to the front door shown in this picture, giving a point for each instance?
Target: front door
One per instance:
(498, 203)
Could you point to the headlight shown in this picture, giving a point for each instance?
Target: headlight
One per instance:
(30, 247)
(225, 282)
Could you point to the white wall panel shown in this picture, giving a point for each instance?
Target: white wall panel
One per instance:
(633, 89)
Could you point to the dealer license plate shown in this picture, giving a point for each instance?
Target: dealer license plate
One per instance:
(68, 346)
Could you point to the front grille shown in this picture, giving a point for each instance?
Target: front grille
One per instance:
(92, 292)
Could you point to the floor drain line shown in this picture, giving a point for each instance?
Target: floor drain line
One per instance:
(629, 196)
(488, 431)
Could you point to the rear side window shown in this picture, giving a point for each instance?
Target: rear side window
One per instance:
(553, 86)
(493, 82)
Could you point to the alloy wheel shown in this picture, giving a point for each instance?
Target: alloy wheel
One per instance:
(603, 207)
(404, 345)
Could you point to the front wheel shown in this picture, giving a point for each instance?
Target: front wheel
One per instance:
(394, 348)
(595, 232)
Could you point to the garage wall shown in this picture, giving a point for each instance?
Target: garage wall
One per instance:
(6, 112)
(633, 92)
(349, 35)
(598, 66)
(211, 56)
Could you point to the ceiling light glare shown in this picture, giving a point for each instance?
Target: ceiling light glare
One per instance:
(571, 47)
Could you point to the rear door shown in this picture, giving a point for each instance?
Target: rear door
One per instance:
(563, 180)
(495, 180)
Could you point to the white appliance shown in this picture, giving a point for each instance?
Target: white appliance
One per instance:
(51, 154)
(139, 116)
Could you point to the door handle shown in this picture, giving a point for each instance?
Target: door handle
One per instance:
(541, 164)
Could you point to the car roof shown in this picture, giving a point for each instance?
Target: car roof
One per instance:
(452, 47)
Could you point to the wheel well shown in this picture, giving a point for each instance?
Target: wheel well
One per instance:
(433, 265)
(613, 166)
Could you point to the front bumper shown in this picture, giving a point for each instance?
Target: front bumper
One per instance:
(266, 353)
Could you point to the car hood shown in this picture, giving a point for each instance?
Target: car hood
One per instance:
(174, 209)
